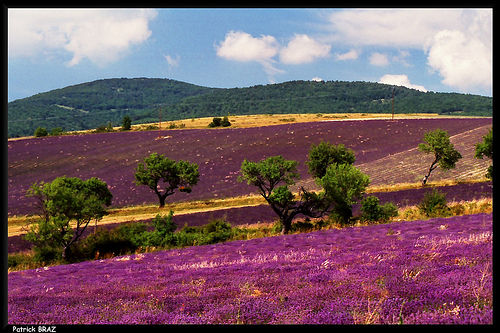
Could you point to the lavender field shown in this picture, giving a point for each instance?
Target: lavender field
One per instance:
(263, 213)
(437, 271)
(219, 153)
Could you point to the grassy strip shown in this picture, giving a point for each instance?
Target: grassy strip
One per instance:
(246, 121)
(16, 224)
(199, 235)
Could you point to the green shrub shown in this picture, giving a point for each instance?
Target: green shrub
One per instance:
(106, 241)
(372, 211)
(225, 122)
(215, 231)
(136, 232)
(17, 259)
(164, 224)
(434, 204)
(216, 122)
(47, 254)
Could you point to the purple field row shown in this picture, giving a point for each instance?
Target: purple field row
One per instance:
(264, 213)
(437, 271)
(219, 153)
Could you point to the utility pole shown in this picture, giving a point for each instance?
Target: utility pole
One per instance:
(159, 127)
(393, 88)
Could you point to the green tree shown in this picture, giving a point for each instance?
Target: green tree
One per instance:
(174, 175)
(216, 122)
(445, 155)
(56, 131)
(40, 131)
(127, 123)
(325, 154)
(485, 148)
(225, 122)
(344, 185)
(267, 175)
(62, 201)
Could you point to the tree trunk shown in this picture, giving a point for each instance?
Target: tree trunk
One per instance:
(65, 252)
(432, 168)
(162, 201)
(286, 221)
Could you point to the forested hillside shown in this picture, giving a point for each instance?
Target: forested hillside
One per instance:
(92, 104)
(96, 103)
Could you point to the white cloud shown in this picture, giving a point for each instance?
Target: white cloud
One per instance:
(390, 27)
(317, 79)
(303, 49)
(457, 42)
(100, 35)
(464, 58)
(378, 59)
(241, 46)
(351, 55)
(173, 62)
(400, 80)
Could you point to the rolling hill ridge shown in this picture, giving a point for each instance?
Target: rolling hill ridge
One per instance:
(97, 103)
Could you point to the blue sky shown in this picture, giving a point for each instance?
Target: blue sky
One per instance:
(447, 50)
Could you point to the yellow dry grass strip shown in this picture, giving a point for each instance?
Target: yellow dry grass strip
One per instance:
(16, 224)
(277, 119)
(267, 120)
(410, 186)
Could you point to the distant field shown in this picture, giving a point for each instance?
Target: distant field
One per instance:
(219, 153)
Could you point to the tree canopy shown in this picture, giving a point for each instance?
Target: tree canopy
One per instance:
(62, 201)
(344, 185)
(174, 175)
(445, 155)
(485, 149)
(325, 154)
(267, 174)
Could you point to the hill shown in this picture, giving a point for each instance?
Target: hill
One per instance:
(93, 104)
(219, 153)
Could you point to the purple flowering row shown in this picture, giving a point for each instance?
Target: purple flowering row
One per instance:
(264, 213)
(419, 272)
(219, 153)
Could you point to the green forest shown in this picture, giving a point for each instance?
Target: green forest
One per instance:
(93, 104)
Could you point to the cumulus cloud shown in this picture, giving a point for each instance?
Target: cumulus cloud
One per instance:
(100, 35)
(378, 59)
(303, 49)
(464, 58)
(400, 80)
(457, 42)
(243, 47)
(351, 55)
(317, 79)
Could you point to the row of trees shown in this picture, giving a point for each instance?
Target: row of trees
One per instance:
(67, 200)
(42, 131)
